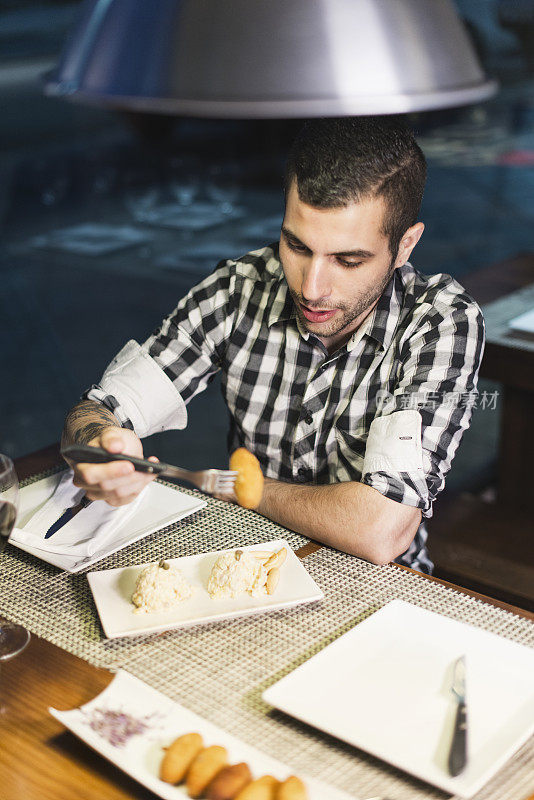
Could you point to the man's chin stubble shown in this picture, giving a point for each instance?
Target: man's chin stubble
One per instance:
(365, 304)
(329, 330)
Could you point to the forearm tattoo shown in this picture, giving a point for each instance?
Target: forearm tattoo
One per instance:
(86, 421)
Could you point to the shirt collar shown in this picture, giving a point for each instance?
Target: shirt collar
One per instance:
(282, 305)
(381, 323)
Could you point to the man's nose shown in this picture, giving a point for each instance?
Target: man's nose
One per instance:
(315, 280)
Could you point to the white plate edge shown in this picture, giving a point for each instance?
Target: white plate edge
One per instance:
(449, 784)
(221, 616)
(196, 504)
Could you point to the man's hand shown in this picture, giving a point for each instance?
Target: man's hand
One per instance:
(116, 482)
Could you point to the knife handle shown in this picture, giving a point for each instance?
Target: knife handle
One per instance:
(82, 453)
(458, 752)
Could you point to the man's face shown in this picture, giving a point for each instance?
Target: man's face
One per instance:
(337, 263)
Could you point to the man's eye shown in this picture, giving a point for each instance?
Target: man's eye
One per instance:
(348, 264)
(298, 248)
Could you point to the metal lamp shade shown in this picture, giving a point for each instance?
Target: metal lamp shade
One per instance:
(270, 58)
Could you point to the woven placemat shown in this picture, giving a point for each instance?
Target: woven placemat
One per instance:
(220, 671)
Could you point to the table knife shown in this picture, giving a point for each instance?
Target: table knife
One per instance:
(458, 751)
(67, 515)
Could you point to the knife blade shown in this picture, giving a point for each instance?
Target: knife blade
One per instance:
(67, 515)
(458, 751)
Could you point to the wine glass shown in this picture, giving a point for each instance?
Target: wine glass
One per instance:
(184, 183)
(223, 185)
(141, 193)
(51, 182)
(13, 637)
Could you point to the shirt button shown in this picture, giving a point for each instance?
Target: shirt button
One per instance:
(302, 473)
(308, 419)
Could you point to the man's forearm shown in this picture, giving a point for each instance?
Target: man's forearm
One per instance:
(349, 516)
(86, 421)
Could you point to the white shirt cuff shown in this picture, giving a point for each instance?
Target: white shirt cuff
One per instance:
(147, 396)
(394, 444)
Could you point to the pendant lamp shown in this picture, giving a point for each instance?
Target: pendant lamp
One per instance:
(270, 58)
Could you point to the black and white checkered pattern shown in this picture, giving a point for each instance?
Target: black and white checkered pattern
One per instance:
(306, 414)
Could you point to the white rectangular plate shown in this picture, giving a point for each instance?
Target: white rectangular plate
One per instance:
(113, 588)
(141, 756)
(162, 506)
(385, 688)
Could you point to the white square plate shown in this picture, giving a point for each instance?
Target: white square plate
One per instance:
(385, 688)
(113, 588)
(161, 506)
(141, 756)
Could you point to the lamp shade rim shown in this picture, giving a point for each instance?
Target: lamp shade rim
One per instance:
(283, 108)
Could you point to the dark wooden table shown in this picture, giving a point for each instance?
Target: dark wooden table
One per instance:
(39, 760)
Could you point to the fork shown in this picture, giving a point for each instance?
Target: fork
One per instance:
(212, 481)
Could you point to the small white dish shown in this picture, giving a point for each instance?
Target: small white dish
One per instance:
(385, 687)
(161, 506)
(141, 755)
(113, 588)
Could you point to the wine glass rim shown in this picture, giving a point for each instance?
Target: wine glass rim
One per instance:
(6, 464)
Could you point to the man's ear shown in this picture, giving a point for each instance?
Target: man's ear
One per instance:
(408, 242)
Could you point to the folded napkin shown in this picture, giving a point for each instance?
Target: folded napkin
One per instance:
(83, 535)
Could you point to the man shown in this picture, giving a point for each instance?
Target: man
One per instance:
(347, 373)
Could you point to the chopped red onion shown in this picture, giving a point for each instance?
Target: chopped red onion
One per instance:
(117, 727)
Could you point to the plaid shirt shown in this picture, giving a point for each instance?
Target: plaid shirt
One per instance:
(387, 409)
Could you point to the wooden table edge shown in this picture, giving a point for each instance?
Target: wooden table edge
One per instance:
(521, 612)
(312, 547)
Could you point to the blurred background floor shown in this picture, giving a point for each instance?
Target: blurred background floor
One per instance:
(108, 219)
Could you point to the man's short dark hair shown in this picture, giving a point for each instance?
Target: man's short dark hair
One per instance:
(344, 160)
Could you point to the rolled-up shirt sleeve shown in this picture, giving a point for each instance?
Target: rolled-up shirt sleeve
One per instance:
(139, 393)
(417, 428)
(148, 386)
